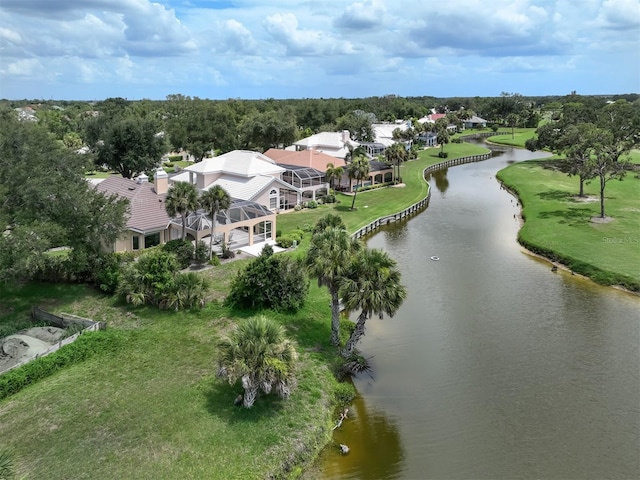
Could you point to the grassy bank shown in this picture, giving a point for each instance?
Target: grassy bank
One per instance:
(154, 408)
(373, 204)
(558, 224)
(518, 139)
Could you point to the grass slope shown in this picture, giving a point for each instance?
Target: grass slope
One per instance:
(557, 224)
(155, 409)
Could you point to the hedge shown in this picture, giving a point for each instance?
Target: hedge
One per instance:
(86, 345)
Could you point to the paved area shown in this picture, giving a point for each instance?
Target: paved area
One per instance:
(256, 248)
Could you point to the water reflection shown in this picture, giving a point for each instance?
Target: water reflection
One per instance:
(375, 447)
(439, 179)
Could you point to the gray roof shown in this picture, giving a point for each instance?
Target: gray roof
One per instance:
(147, 212)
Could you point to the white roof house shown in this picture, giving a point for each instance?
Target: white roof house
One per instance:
(245, 175)
(335, 144)
(244, 163)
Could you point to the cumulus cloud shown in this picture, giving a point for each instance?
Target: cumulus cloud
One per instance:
(361, 16)
(236, 38)
(284, 29)
(26, 67)
(620, 14)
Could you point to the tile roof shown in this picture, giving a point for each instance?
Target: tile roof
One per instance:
(146, 209)
(248, 188)
(304, 158)
(238, 162)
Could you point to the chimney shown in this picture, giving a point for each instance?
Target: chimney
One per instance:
(161, 181)
(142, 178)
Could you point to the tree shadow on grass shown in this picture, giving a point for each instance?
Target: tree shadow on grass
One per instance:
(559, 195)
(220, 402)
(571, 216)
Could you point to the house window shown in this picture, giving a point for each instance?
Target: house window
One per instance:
(273, 199)
(136, 242)
(152, 240)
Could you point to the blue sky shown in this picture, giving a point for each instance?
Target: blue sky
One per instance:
(93, 49)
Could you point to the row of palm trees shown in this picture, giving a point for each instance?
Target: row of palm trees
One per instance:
(361, 278)
(183, 198)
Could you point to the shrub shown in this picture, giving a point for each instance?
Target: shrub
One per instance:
(214, 261)
(168, 164)
(227, 252)
(443, 154)
(285, 241)
(297, 208)
(107, 270)
(201, 254)
(270, 281)
(7, 469)
(312, 204)
(148, 279)
(174, 158)
(329, 198)
(188, 291)
(182, 249)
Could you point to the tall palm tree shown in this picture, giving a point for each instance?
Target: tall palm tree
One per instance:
(328, 257)
(214, 200)
(358, 170)
(259, 354)
(442, 133)
(333, 173)
(182, 199)
(329, 220)
(395, 155)
(372, 285)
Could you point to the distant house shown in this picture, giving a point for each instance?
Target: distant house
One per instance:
(335, 144)
(475, 122)
(305, 169)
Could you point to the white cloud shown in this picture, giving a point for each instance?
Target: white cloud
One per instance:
(362, 16)
(620, 14)
(284, 29)
(26, 67)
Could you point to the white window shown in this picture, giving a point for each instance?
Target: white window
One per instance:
(273, 199)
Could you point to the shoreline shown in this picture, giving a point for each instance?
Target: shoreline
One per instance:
(556, 264)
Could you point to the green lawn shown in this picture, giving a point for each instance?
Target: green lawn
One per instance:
(557, 223)
(373, 204)
(154, 409)
(520, 136)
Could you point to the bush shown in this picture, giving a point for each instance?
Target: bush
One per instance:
(312, 204)
(149, 279)
(297, 208)
(443, 154)
(182, 249)
(201, 254)
(88, 344)
(107, 270)
(175, 158)
(329, 198)
(285, 241)
(214, 261)
(168, 164)
(227, 252)
(270, 281)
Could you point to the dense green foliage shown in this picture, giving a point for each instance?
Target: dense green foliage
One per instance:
(182, 249)
(48, 203)
(154, 280)
(274, 282)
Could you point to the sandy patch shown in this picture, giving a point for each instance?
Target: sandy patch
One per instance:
(601, 220)
(27, 344)
(585, 199)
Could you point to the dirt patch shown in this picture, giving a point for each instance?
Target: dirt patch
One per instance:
(601, 220)
(585, 199)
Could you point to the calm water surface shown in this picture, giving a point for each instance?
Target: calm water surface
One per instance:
(495, 367)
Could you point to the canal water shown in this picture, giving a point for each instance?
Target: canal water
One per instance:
(495, 367)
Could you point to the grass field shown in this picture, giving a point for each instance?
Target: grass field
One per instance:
(520, 136)
(154, 409)
(558, 224)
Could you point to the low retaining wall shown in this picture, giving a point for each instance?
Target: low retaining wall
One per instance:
(422, 204)
(65, 320)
